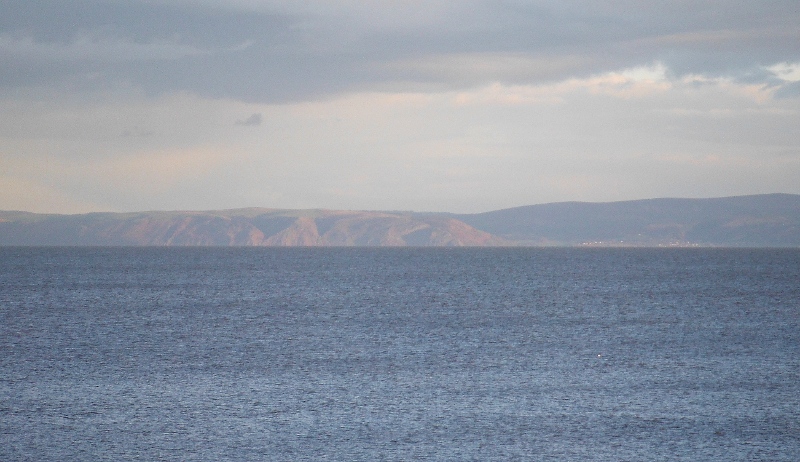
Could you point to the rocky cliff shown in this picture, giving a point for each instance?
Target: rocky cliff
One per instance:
(245, 227)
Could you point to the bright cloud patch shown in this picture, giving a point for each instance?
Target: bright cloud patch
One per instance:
(789, 72)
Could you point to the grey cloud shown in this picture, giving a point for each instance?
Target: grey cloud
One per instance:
(252, 121)
(788, 90)
(137, 132)
(285, 51)
(97, 48)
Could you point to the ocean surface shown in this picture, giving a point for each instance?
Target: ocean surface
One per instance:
(351, 354)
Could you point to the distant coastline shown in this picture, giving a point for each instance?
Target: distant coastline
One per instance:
(767, 220)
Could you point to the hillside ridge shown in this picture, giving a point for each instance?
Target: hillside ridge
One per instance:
(767, 220)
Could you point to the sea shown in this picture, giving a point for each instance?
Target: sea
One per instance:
(395, 354)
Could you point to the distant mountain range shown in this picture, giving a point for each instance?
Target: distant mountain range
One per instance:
(767, 220)
(770, 220)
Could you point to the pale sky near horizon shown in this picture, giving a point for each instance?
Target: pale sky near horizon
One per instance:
(459, 106)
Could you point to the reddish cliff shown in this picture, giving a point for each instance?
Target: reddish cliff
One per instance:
(247, 227)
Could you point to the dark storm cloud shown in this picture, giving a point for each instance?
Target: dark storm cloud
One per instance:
(280, 51)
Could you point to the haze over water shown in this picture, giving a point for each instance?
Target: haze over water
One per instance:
(399, 354)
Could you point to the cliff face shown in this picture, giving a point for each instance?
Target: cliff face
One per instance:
(249, 227)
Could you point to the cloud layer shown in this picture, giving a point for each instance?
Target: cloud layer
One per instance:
(284, 51)
(438, 105)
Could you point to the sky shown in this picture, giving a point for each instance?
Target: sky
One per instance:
(458, 106)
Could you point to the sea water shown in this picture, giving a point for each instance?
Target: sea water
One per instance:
(368, 354)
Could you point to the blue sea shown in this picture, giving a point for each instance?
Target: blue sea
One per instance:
(363, 354)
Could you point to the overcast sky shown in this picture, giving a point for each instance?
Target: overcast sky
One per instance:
(461, 106)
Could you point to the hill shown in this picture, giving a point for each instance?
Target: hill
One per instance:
(770, 220)
(242, 227)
